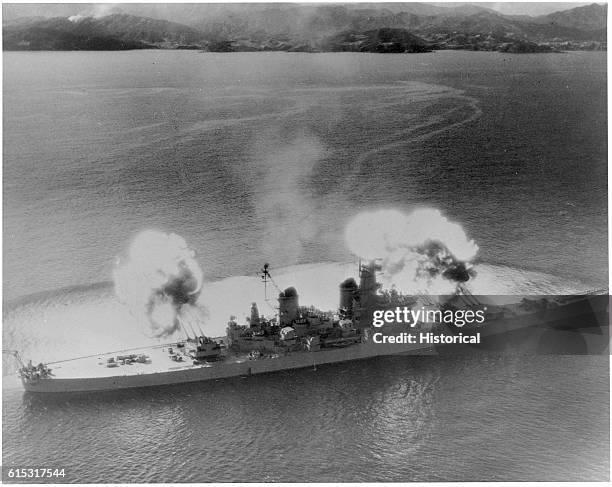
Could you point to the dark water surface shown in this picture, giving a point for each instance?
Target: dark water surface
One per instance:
(482, 418)
(254, 156)
(264, 157)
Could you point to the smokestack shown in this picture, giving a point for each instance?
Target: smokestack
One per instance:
(288, 306)
(368, 285)
(367, 298)
(348, 288)
(254, 316)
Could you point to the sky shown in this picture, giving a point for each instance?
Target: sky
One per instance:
(11, 10)
(530, 8)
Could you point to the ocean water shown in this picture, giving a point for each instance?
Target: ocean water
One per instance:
(264, 157)
(489, 418)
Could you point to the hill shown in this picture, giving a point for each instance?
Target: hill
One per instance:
(588, 18)
(112, 32)
(402, 27)
(385, 40)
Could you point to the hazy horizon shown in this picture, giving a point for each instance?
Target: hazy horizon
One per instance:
(174, 12)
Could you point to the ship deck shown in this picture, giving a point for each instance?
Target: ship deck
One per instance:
(159, 357)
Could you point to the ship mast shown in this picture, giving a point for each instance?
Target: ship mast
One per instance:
(266, 277)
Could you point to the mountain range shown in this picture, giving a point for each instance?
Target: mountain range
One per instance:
(376, 27)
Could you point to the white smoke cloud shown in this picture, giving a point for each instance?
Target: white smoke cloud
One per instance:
(159, 281)
(282, 170)
(422, 252)
(76, 18)
(96, 11)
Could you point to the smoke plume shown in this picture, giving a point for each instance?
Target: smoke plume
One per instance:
(283, 201)
(422, 252)
(76, 18)
(160, 281)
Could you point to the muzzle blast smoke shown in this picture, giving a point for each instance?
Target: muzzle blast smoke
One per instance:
(160, 281)
(421, 252)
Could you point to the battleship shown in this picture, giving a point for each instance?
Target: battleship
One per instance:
(303, 336)
(296, 337)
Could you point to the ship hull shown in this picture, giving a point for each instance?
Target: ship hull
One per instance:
(221, 370)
